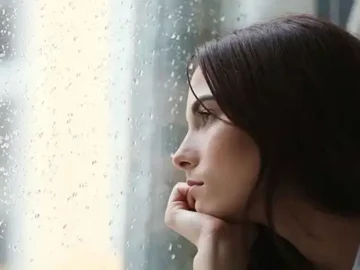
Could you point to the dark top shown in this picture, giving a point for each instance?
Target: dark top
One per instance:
(271, 251)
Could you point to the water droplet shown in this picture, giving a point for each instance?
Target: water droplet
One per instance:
(173, 256)
(170, 247)
(222, 18)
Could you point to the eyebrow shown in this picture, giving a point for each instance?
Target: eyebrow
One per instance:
(199, 102)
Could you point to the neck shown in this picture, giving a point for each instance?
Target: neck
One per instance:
(328, 241)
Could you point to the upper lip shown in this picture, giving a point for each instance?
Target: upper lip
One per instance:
(192, 182)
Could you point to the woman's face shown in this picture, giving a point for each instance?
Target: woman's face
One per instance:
(221, 161)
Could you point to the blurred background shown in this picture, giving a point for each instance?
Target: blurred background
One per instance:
(92, 103)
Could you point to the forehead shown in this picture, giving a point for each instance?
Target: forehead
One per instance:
(200, 87)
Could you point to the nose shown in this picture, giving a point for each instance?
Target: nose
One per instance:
(185, 158)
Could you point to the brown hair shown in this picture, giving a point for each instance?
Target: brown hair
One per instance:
(293, 84)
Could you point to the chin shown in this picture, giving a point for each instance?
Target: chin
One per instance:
(229, 216)
(204, 210)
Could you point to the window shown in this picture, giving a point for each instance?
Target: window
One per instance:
(91, 108)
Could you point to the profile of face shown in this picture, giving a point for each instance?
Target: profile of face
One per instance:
(221, 162)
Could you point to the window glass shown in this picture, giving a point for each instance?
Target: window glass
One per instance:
(92, 106)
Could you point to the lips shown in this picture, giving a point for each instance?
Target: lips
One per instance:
(194, 183)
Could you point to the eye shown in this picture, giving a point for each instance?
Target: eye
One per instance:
(205, 116)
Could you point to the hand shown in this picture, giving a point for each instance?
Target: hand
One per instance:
(220, 245)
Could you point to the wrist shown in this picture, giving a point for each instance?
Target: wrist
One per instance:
(221, 253)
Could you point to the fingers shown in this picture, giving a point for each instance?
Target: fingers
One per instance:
(178, 197)
(178, 216)
(197, 227)
(191, 202)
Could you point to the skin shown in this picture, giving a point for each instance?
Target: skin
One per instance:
(198, 156)
(225, 161)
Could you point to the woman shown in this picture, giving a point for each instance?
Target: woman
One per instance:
(272, 153)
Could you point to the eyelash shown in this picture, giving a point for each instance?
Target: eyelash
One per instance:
(205, 116)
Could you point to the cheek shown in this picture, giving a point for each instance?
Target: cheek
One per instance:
(234, 153)
(234, 163)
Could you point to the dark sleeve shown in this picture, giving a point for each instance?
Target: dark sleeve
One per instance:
(270, 251)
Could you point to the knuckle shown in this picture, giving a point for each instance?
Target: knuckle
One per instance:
(178, 185)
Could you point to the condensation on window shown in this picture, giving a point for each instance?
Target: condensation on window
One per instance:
(92, 106)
